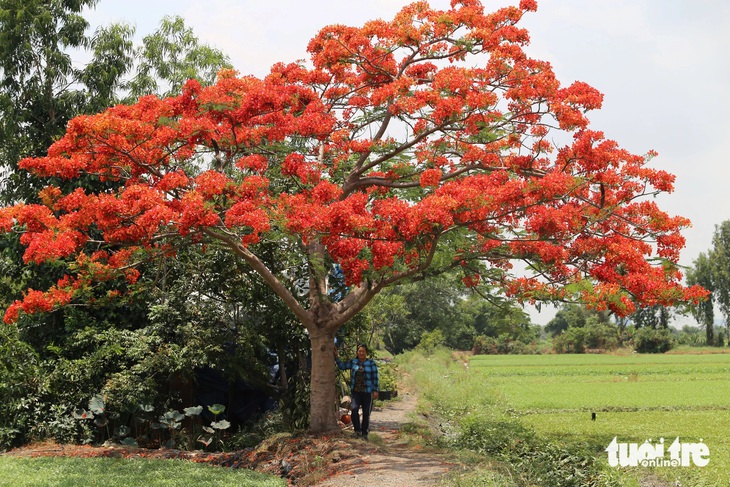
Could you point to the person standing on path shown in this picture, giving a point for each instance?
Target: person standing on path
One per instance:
(364, 385)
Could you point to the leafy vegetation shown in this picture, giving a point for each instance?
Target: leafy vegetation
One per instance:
(648, 340)
(712, 271)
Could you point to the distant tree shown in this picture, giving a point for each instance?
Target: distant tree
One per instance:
(570, 315)
(495, 318)
(412, 309)
(41, 89)
(576, 316)
(704, 311)
(655, 317)
(712, 271)
(171, 56)
(594, 334)
(720, 263)
(37, 96)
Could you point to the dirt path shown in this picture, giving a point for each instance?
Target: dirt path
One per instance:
(392, 461)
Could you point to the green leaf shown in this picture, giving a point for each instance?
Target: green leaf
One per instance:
(173, 415)
(96, 404)
(221, 425)
(216, 409)
(146, 408)
(193, 411)
(82, 414)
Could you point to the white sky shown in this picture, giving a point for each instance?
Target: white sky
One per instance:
(661, 64)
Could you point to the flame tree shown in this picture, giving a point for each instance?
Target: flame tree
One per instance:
(403, 149)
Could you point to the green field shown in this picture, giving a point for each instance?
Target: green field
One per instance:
(636, 398)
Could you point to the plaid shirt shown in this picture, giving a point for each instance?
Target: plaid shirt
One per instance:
(372, 381)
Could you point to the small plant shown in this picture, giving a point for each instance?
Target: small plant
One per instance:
(96, 414)
(143, 422)
(193, 414)
(171, 420)
(387, 375)
(430, 341)
(212, 432)
(649, 340)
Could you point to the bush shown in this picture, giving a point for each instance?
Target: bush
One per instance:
(571, 340)
(649, 340)
(430, 341)
(388, 377)
(692, 336)
(594, 335)
(19, 383)
(503, 344)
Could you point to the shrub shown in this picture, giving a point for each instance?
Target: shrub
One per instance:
(594, 335)
(387, 375)
(649, 340)
(692, 336)
(430, 340)
(19, 383)
(503, 344)
(571, 340)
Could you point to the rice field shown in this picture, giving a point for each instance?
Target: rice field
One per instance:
(634, 398)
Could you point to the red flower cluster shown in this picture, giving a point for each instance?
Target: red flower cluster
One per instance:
(318, 156)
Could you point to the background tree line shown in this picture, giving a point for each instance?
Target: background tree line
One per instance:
(575, 328)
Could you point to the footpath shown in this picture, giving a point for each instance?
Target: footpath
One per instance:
(388, 458)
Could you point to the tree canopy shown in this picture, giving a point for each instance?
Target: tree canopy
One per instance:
(402, 150)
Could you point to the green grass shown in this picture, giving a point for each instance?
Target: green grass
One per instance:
(636, 397)
(112, 472)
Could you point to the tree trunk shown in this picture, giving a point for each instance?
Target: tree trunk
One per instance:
(323, 394)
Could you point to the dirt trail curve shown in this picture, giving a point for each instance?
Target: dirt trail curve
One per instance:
(394, 462)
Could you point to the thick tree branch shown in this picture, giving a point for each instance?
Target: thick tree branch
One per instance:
(261, 269)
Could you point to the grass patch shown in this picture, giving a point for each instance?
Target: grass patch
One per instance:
(114, 472)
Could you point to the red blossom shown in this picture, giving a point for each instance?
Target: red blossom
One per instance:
(375, 157)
